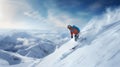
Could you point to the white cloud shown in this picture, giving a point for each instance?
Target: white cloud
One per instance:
(95, 6)
(24, 40)
(62, 19)
(35, 15)
(13, 25)
(1, 16)
(83, 13)
(9, 9)
(54, 19)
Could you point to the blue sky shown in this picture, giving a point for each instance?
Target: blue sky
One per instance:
(50, 14)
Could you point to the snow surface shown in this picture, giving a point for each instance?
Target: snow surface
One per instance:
(98, 46)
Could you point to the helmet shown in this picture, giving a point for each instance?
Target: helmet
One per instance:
(69, 26)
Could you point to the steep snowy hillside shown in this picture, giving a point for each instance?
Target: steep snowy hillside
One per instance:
(99, 45)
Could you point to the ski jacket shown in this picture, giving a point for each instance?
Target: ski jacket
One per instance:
(74, 30)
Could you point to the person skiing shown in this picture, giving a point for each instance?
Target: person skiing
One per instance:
(74, 30)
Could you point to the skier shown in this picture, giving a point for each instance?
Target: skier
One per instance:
(74, 31)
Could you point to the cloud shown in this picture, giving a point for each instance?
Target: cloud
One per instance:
(63, 19)
(83, 14)
(10, 25)
(10, 10)
(95, 6)
(1, 16)
(50, 19)
(35, 15)
(54, 18)
(33, 18)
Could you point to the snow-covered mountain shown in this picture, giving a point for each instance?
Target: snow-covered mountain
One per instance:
(27, 43)
(13, 58)
(98, 46)
(23, 44)
(40, 50)
(8, 42)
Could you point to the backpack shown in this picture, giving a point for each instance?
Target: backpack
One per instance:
(76, 28)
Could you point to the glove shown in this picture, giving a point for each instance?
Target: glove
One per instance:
(71, 36)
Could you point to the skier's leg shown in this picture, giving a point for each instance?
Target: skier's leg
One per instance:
(76, 36)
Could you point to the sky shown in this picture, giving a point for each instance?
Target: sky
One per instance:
(50, 14)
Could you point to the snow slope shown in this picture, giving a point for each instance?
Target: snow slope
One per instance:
(100, 41)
